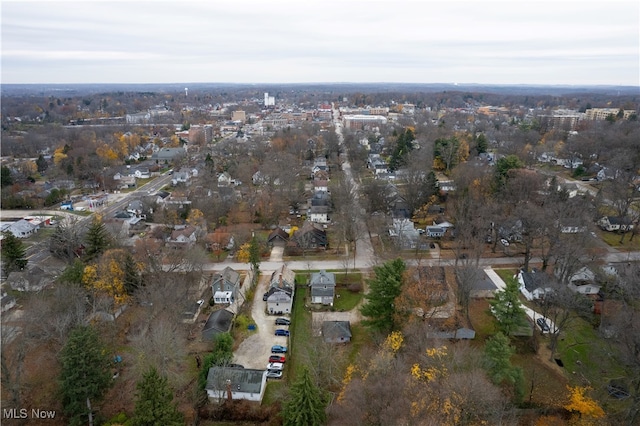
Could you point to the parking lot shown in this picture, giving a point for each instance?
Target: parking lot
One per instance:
(254, 351)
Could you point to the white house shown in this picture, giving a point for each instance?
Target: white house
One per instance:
(533, 285)
(281, 291)
(319, 214)
(142, 173)
(615, 223)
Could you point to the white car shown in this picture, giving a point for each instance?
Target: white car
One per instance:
(504, 242)
(275, 366)
(272, 374)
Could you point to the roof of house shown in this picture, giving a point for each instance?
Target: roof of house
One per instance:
(278, 233)
(483, 282)
(283, 278)
(534, 280)
(187, 231)
(227, 274)
(323, 278)
(336, 330)
(219, 322)
(245, 380)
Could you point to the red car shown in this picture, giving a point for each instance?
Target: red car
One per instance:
(276, 358)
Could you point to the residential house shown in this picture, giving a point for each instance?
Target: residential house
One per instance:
(511, 231)
(182, 176)
(435, 231)
(168, 154)
(33, 279)
(224, 179)
(226, 383)
(319, 214)
(278, 237)
(482, 286)
(23, 228)
(323, 287)
(281, 291)
(404, 233)
(583, 282)
(142, 173)
(182, 237)
(336, 331)
(218, 322)
(534, 285)
(225, 286)
(309, 237)
(615, 223)
(571, 226)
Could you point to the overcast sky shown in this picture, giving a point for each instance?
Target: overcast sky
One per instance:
(270, 41)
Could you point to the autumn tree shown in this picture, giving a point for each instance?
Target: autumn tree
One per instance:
(384, 287)
(305, 406)
(154, 402)
(13, 253)
(583, 405)
(107, 277)
(85, 375)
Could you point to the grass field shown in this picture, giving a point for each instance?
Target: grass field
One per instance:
(346, 300)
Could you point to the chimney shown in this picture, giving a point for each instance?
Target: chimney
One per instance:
(229, 398)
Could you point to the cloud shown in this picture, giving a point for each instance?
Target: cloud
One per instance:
(293, 41)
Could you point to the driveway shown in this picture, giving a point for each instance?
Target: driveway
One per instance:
(254, 351)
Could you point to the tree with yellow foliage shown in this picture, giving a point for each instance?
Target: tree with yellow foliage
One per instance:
(583, 405)
(108, 276)
(59, 154)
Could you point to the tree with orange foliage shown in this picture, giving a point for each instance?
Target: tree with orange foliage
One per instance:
(107, 276)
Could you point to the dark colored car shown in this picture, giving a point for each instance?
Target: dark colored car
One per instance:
(281, 332)
(265, 296)
(542, 323)
(278, 349)
(277, 358)
(282, 321)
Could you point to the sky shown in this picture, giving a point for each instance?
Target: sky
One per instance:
(575, 42)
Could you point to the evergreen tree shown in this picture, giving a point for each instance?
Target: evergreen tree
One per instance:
(97, 238)
(41, 163)
(497, 361)
(481, 144)
(254, 258)
(13, 253)
(305, 406)
(507, 308)
(132, 279)
(5, 176)
(85, 375)
(154, 402)
(383, 290)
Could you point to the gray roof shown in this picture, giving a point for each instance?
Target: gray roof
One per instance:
(533, 280)
(323, 278)
(244, 380)
(218, 322)
(335, 330)
(484, 283)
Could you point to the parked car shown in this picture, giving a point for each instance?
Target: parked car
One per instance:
(274, 374)
(277, 358)
(265, 297)
(504, 242)
(542, 323)
(282, 321)
(282, 332)
(278, 349)
(275, 366)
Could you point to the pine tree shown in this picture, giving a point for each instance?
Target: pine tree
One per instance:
(305, 406)
(497, 361)
(85, 375)
(131, 278)
(97, 238)
(154, 402)
(507, 308)
(383, 290)
(13, 253)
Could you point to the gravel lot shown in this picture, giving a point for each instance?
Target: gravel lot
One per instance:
(254, 351)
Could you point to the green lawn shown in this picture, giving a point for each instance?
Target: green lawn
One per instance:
(301, 334)
(613, 239)
(346, 300)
